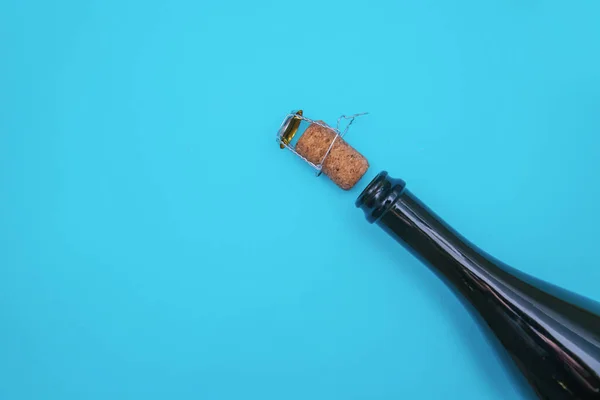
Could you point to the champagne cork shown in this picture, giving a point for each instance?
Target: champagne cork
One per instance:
(343, 165)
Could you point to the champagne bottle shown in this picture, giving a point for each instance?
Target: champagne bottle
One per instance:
(551, 335)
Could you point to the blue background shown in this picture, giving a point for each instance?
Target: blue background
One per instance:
(155, 243)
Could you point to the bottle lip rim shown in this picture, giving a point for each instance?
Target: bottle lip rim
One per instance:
(379, 195)
(371, 190)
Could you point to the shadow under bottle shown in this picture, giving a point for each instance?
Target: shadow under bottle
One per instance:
(552, 335)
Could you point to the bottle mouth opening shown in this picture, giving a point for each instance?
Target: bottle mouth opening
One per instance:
(370, 192)
(379, 195)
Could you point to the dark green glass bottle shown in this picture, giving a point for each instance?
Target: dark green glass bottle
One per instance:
(552, 335)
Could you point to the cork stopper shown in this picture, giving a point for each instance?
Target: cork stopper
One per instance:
(343, 165)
